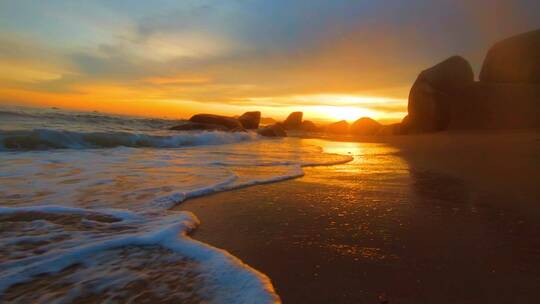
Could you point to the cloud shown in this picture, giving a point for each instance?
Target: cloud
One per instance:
(242, 53)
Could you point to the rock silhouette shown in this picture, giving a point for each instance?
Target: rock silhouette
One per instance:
(268, 121)
(275, 130)
(506, 97)
(513, 60)
(309, 126)
(192, 126)
(497, 106)
(227, 122)
(434, 91)
(250, 120)
(340, 127)
(293, 121)
(365, 126)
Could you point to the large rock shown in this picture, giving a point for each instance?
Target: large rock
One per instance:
(250, 120)
(513, 60)
(293, 121)
(365, 126)
(434, 91)
(275, 130)
(309, 126)
(192, 126)
(227, 122)
(391, 129)
(340, 127)
(403, 127)
(497, 106)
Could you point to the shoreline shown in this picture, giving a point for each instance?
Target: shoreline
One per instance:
(494, 160)
(352, 232)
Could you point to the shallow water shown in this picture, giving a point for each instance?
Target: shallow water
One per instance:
(85, 202)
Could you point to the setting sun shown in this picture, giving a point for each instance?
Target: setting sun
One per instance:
(348, 113)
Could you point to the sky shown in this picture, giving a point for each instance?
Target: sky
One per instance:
(333, 59)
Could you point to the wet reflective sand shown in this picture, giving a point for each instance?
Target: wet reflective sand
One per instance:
(390, 223)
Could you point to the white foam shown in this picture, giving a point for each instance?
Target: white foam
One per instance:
(137, 186)
(294, 172)
(178, 197)
(227, 279)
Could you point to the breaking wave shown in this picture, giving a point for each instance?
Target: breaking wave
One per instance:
(43, 139)
(84, 210)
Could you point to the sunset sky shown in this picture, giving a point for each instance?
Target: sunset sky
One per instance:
(339, 59)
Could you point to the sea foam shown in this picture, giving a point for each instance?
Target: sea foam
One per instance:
(226, 278)
(85, 203)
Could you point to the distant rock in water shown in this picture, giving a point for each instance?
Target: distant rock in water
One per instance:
(192, 126)
(293, 121)
(309, 126)
(340, 127)
(250, 120)
(432, 95)
(514, 60)
(365, 126)
(268, 121)
(227, 122)
(275, 130)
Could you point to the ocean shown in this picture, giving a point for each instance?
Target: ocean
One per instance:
(86, 198)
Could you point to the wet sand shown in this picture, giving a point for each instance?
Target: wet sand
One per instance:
(426, 219)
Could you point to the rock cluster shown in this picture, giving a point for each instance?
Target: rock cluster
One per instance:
(507, 95)
(443, 97)
(247, 121)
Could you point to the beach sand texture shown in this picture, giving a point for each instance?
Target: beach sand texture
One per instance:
(422, 219)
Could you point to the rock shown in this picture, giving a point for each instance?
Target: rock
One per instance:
(275, 130)
(403, 127)
(497, 106)
(434, 91)
(309, 126)
(450, 75)
(293, 121)
(365, 126)
(391, 129)
(513, 60)
(340, 127)
(268, 121)
(227, 122)
(192, 126)
(250, 120)
(428, 108)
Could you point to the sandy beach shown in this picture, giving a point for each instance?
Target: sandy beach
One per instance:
(420, 219)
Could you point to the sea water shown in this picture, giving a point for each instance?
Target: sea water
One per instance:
(85, 204)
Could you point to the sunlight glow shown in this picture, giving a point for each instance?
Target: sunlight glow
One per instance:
(334, 107)
(347, 113)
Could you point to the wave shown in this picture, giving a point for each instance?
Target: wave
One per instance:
(69, 117)
(44, 139)
(226, 278)
(231, 183)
